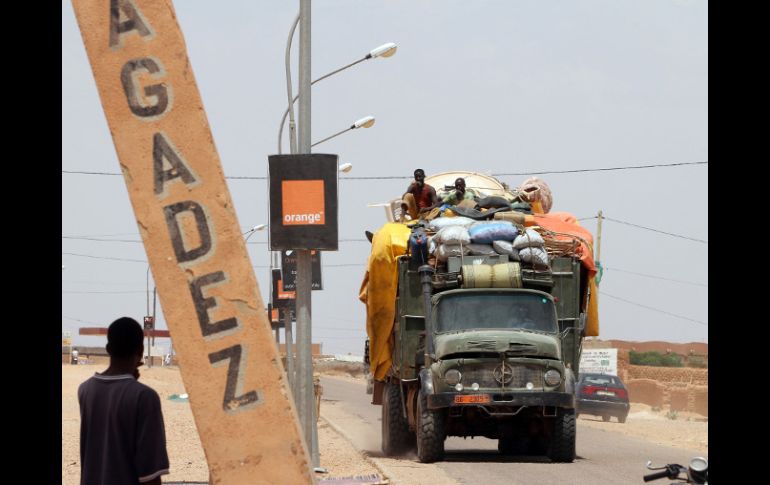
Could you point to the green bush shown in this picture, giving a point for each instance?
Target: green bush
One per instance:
(655, 359)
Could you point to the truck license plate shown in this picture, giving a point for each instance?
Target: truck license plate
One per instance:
(605, 393)
(472, 399)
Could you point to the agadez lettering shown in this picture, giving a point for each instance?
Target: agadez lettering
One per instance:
(155, 103)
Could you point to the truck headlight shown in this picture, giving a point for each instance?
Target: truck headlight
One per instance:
(552, 377)
(452, 376)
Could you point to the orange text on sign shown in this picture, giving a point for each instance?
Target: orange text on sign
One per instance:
(303, 202)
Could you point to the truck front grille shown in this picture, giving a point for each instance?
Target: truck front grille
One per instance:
(515, 376)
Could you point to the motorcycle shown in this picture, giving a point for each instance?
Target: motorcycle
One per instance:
(697, 472)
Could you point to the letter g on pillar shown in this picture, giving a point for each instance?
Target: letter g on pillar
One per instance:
(141, 106)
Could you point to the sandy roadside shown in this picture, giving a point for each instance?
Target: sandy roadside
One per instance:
(188, 462)
(681, 430)
(338, 455)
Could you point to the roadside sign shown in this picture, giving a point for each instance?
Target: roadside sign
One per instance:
(193, 241)
(303, 201)
(600, 361)
(289, 270)
(66, 339)
(282, 298)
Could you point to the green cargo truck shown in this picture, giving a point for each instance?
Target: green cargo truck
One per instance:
(498, 362)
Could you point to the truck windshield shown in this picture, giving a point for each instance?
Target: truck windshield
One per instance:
(466, 311)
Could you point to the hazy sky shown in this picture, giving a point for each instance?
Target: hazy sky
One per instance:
(490, 86)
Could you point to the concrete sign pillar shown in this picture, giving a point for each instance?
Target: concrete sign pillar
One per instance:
(227, 355)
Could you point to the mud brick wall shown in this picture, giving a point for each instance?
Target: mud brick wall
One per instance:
(700, 400)
(684, 375)
(646, 391)
(678, 398)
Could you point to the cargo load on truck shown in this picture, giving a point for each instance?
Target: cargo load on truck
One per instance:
(476, 311)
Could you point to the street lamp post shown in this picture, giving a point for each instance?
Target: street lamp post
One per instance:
(304, 395)
(305, 391)
(365, 122)
(385, 50)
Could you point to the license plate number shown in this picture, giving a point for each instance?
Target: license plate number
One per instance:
(605, 393)
(472, 399)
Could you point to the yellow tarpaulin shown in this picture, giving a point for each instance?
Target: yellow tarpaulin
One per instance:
(378, 292)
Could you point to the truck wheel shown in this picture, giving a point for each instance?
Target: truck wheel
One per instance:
(396, 438)
(606, 417)
(430, 432)
(622, 418)
(562, 446)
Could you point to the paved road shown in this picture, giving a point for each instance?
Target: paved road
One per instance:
(604, 457)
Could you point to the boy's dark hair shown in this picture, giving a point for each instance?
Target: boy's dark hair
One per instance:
(124, 338)
(420, 171)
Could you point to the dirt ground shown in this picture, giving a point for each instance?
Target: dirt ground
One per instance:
(682, 430)
(338, 456)
(188, 462)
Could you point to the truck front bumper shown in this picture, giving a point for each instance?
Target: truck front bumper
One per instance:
(529, 399)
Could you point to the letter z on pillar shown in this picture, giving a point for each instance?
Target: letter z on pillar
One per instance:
(229, 361)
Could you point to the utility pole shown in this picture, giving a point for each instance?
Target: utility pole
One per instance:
(598, 255)
(154, 305)
(305, 390)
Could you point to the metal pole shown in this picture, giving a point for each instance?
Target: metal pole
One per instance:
(289, 349)
(599, 238)
(290, 108)
(304, 268)
(154, 306)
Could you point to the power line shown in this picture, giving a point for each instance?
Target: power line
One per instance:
(89, 173)
(656, 230)
(656, 277)
(145, 262)
(88, 238)
(654, 309)
(404, 177)
(77, 320)
(603, 169)
(102, 292)
(105, 257)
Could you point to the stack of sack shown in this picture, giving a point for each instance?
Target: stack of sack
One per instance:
(487, 237)
(531, 248)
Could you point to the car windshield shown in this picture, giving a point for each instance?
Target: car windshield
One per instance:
(601, 380)
(466, 311)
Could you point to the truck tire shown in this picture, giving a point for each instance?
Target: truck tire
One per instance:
(396, 438)
(622, 418)
(562, 446)
(430, 432)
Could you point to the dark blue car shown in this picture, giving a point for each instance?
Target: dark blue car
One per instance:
(602, 395)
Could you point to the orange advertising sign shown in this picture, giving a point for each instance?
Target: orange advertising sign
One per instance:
(303, 202)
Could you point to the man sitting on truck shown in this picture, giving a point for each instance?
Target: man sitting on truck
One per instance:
(419, 196)
(460, 193)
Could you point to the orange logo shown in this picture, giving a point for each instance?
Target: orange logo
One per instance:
(303, 202)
